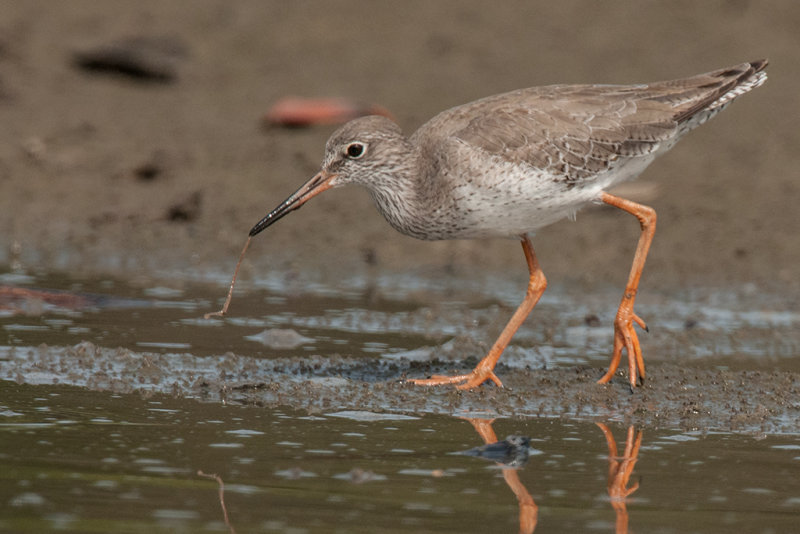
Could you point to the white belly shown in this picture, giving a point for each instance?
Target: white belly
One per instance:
(512, 202)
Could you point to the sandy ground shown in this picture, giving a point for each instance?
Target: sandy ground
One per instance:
(104, 173)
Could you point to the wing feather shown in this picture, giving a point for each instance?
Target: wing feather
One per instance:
(575, 132)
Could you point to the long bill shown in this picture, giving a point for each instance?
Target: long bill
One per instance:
(316, 185)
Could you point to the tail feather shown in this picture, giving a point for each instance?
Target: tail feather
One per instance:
(721, 87)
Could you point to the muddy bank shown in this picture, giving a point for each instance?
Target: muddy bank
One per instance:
(673, 396)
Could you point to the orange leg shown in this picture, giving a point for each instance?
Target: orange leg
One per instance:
(528, 511)
(624, 335)
(485, 368)
(620, 469)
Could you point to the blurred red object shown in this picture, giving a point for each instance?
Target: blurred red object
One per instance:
(297, 111)
(33, 301)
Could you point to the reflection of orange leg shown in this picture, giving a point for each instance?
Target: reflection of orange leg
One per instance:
(485, 368)
(484, 429)
(624, 334)
(528, 511)
(620, 469)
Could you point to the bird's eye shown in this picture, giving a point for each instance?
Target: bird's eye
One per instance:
(355, 150)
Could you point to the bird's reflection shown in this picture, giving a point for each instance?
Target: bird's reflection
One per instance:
(620, 469)
(510, 454)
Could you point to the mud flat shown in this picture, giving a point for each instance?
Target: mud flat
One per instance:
(673, 396)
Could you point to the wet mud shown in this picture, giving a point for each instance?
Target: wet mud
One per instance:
(673, 396)
(714, 362)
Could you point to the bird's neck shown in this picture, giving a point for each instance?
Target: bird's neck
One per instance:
(399, 196)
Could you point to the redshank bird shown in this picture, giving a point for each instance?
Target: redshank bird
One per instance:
(510, 164)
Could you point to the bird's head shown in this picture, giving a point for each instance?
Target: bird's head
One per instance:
(363, 151)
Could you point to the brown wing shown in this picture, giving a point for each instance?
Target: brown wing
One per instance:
(574, 136)
(577, 131)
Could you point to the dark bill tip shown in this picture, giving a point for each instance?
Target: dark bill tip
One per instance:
(273, 216)
(316, 185)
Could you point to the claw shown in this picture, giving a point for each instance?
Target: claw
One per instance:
(478, 378)
(470, 381)
(437, 380)
(625, 338)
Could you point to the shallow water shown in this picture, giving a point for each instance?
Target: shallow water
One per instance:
(116, 396)
(723, 330)
(77, 460)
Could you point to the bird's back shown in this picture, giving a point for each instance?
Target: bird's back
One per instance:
(575, 132)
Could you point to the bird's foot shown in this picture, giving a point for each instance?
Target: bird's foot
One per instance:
(625, 337)
(471, 380)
